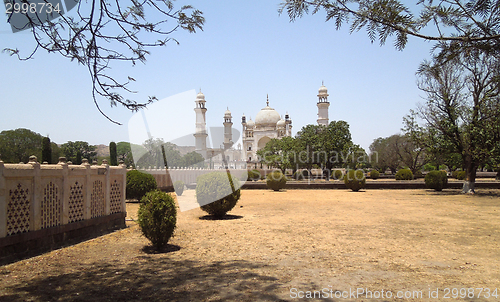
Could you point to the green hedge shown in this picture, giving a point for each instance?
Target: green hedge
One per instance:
(138, 184)
(374, 174)
(214, 192)
(338, 174)
(404, 174)
(355, 180)
(157, 217)
(437, 180)
(253, 175)
(276, 180)
(179, 187)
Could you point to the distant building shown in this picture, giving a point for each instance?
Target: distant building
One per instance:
(268, 124)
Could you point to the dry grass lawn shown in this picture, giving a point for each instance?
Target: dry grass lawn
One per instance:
(278, 245)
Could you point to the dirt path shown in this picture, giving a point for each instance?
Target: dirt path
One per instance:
(276, 246)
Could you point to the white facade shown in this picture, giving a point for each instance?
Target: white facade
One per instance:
(268, 124)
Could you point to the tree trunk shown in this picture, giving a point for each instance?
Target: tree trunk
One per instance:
(470, 179)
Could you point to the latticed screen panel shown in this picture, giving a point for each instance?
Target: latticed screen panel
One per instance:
(18, 210)
(97, 200)
(116, 197)
(51, 206)
(76, 202)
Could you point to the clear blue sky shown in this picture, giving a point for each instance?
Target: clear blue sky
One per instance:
(246, 51)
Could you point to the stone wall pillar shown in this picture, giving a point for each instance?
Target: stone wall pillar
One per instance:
(107, 188)
(37, 195)
(3, 203)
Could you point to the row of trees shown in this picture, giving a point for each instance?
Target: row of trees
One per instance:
(459, 123)
(18, 145)
(397, 151)
(460, 120)
(315, 146)
(154, 152)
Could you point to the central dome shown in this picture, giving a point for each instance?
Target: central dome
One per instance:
(267, 117)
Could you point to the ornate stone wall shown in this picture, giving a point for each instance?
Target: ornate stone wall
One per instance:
(35, 197)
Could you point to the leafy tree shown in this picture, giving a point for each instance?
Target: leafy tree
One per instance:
(124, 153)
(113, 157)
(56, 152)
(193, 159)
(18, 145)
(76, 151)
(384, 155)
(85, 36)
(46, 150)
(313, 146)
(462, 108)
(150, 154)
(463, 24)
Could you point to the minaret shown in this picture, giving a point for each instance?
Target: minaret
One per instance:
(323, 105)
(201, 130)
(288, 125)
(228, 135)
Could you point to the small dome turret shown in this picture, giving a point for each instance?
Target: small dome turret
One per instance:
(250, 123)
(281, 124)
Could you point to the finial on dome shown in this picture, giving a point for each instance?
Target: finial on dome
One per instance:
(322, 83)
(267, 102)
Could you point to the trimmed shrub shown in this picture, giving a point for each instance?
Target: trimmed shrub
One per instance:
(179, 187)
(437, 180)
(276, 180)
(355, 180)
(157, 217)
(297, 175)
(253, 175)
(498, 174)
(217, 192)
(338, 174)
(138, 184)
(461, 175)
(404, 174)
(305, 174)
(374, 174)
(418, 174)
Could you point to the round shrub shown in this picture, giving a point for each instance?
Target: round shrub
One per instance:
(138, 184)
(338, 174)
(418, 174)
(217, 192)
(157, 217)
(404, 174)
(253, 175)
(179, 187)
(355, 180)
(297, 175)
(276, 180)
(461, 175)
(374, 174)
(498, 174)
(305, 174)
(437, 180)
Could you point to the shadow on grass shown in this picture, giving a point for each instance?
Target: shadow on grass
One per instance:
(151, 278)
(225, 217)
(169, 248)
